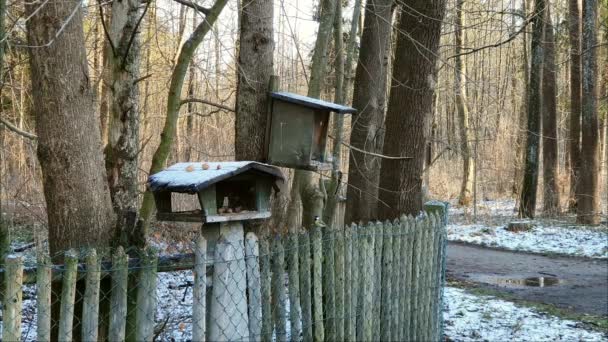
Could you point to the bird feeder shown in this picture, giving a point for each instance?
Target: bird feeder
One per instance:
(227, 191)
(297, 131)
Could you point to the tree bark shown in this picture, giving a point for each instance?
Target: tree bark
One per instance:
(574, 27)
(123, 128)
(79, 207)
(369, 97)
(587, 209)
(255, 66)
(410, 107)
(549, 122)
(174, 102)
(527, 203)
(460, 91)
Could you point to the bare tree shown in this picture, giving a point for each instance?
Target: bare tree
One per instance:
(527, 203)
(369, 97)
(574, 27)
(79, 207)
(587, 209)
(410, 107)
(255, 66)
(549, 122)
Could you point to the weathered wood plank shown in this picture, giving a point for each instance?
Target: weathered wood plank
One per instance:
(349, 318)
(387, 299)
(68, 295)
(377, 302)
(266, 289)
(90, 305)
(368, 280)
(293, 271)
(339, 283)
(278, 289)
(329, 302)
(305, 286)
(146, 297)
(317, 294)
(396, 282)
(118, 297)
(199, 291)
(252, 254)
(11, 329)
(43, 298)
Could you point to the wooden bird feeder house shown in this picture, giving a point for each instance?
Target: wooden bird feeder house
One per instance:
(227, 191)
(297, 131)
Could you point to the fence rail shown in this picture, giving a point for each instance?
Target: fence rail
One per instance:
(379, 281)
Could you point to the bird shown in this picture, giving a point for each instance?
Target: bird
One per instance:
(319, 223)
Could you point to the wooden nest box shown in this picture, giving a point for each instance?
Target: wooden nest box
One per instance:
(297, 131)
(227, 191)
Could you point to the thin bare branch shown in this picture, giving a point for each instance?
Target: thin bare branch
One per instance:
(370, 153)
(18, 131)
(183, 102)
(194, 6)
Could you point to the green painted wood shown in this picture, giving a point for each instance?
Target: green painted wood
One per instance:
(329, 300)
(146, 296)
(199, 291)
(118, 297)
(349, 331)
(339, 266)
(43, 298)
(68, 295)
(278, 290)
(266, 289)
(291, 135)
(263, 190)
(387, 299)
(208, 201)
(293, 271)
(317, 285)
(305, 286)
(11, 328)
(90, 305)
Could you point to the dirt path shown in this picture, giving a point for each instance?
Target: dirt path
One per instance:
(582, 283)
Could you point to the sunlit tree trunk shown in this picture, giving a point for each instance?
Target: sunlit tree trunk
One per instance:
(410, 107)
(549, 122)
(574, 21)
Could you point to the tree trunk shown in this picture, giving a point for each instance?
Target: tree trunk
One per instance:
(523, 114)
(255, 66)
(527, 203)
(369, 97)
(587, 209)
(174, 103)
(123, 129)
(574, 27)
(460, 91)
(79, 207)
(304, 192)
(549, 121)
(410, 106)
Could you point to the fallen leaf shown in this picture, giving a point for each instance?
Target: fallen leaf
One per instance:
(190, 168)
(205, 166)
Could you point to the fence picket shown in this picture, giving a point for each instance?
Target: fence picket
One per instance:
(146, 297)
(356, 284)
(368, 279)
(266, 292)
(305, 300)
(396, 283)
(90, 305)
(378, 230)
(43, 297)
(387, 298)
(199, 291)
(68, 295)
(278, 290)
(252, 255)
(339, 283)
(293, 271)
(329, 303)
(11, 329)
(317, 290)
(118, 298)
(348, 259)
(416, 248)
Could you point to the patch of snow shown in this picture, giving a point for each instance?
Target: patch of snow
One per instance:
(540, 239)
(482, 318)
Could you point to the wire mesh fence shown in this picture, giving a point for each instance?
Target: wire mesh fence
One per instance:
(379, 281)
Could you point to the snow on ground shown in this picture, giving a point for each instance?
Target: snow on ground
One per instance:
(469, 317)
(545, 237)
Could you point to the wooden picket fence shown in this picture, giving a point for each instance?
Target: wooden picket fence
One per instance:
(379, 281)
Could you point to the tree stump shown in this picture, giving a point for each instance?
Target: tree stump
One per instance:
(519, 226)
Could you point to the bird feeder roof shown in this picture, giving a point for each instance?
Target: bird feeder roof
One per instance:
(192, 177)
(312, 103)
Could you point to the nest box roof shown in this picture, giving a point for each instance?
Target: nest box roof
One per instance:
(312, 103)
(194, 176)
